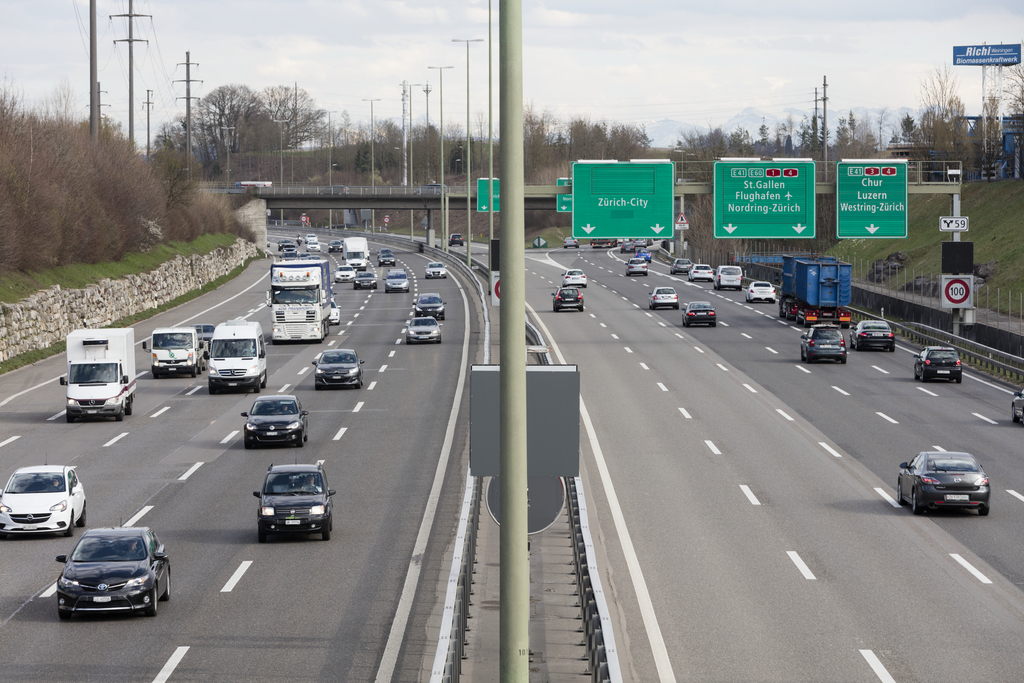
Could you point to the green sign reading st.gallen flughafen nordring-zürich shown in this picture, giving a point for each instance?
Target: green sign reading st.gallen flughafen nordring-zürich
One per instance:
(871, 198)
(764, 199)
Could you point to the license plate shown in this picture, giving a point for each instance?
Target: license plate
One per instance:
(101, 598)
(292, 521)
(943, 372)
(232, 384)
(957, 496)
(271, 433)
(702, 314)
(30, 527)
(337, 377)
(829, 346)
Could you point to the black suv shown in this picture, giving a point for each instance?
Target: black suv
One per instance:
(567, 297)
(294, 500)
(938, 362)
(823, 341)
(456, 239)
(335, 246)
(385, 257)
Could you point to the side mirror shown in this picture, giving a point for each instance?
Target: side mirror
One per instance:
(62, 558)
(331, 492)
(257, 494)
(144, 347)
(124, 379)
(313, 362)
(803, 336)
(63, 380)
(206, 355)
(245, 414)
(263, 354)
(552, 293)
(158, 555)
(904, 465)
(361, 362)
(304, 413)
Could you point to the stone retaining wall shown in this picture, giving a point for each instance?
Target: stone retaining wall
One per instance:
(47, 316)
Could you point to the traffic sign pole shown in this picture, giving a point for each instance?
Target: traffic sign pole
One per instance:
(871, 199)
(757, 199)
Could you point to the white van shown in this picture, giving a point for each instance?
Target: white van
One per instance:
(728, 276)
(238, 357)
(177, 350)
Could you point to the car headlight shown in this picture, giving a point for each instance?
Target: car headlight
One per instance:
(136, 582)
(418, 309)
(59, 507)
(111, 401)
(254, 370)
(66, 583)
(267, 511)
(317, 510)
(319, 371)
(249, 427)
(72, 402)
(212, 370)
(294, 425)
(4, 509)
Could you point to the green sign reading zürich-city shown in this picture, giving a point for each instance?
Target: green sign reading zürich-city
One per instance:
(871, 198)
(764, 199)
(623, 199)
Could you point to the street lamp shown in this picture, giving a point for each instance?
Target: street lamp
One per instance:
(330, 168)
(444, 208)
(490, 145)
(468, 155)
(409, 170)
(280, 127)
(373, 174)
(227, 144)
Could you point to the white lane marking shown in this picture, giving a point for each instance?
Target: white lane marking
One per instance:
(887, 497)
(926, 391)
(782, 322)
(877, 667)
(138, 515)
(644, 366)
(25, 391)
(229, 436)
(724, 369)
(372, 385)
(679, 335)
(161, 411)
(689, 417)
(982, 417)
(884, 372)
(283, 389)
(592, 315)
(189, 393)
(602, 325)
(625, 299)
(714, 449)
(800, 367)
(171, 664)
(362, 307)
(886, 417)
(359, 406)
(662, 324)
(628, 350)
(980, 381)
(236, 576)
(399, 341)
(795, 327)
(723, 324)
(746, 335)
(662, 386)
(60, 414)
(354, 315)
(341, 432)
(830, 449)
(840, 390)
(15, 438)
(188, 473)
(49, 591)
(971, 568)
(331, 343)
(346, 325)
(782, 412)
(303, 370)
(109, 443)
(772, 350)
(801, 565)
(699, 349)
(939, 449)
(750, 389)
(749, 494)
(615, 336)
(383, 368)
(391, 355)
(1015, 494)
(645, 312)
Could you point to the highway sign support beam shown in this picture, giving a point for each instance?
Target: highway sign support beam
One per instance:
(622, 200)
(758, 199)
(871, 199)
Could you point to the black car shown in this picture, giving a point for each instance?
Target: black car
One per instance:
(872, 334)
(1017, 407)
(335, 246)
(276, 420)
(823, 342)
(700, 313)
(455, 239)
(114, 570)
(333, 189)
(938, 362)
(429, 305)
(385, 257)
(284, 244)
(294, 500)
(567, 297)
(205, 332)
(338, 368)
(937, 479)
(290, 254)
(365, 280)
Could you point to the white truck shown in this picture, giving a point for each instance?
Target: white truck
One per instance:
(300, 299)
(177, 350)
(101, 373)
(356, 252)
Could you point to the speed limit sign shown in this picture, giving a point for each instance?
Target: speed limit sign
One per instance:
(387, 219)
(958, 291)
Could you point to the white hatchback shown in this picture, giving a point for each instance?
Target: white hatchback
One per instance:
(701, 271)
(663, 296)
(574, 278)
(43, 499)
(345, 274)
(760, 291)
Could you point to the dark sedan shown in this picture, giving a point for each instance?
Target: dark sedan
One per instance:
(276, 420)
(284, 244)
(114, 570)
(872, 334)
(335, 246)
(338, 368)
(938, 362)
(365, 280)
(567, 297)
(700, 313)
(429, 304)
(294, 500)
(1017, 407)
(937, 479)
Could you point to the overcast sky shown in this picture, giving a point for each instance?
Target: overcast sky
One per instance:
(636, 61)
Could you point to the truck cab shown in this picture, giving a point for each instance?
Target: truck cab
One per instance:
(238, 357)
(101, 373)
(177, 351)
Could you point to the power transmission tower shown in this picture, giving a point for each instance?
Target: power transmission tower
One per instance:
(94, 102)
(824, 122)
(188, 106)
(149, 106)
(131, 40)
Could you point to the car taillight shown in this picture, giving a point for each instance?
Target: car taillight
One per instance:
(691, 313)
(929, 480)
(982, 482)
(558, 297)
(958, 363)
(927, 362)
(842, 342)
(864, 334)
(891, 335)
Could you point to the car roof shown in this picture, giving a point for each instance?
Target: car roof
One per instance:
(127, 531)
(44, 469)
(423, 320)
(429, 294)
(825, 326)
(939, 348)
(311, 468)
(276, 397)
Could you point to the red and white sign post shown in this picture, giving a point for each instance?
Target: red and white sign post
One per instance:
(957, 291)
(495, 288)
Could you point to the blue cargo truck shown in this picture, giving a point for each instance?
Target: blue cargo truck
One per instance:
(815, 290)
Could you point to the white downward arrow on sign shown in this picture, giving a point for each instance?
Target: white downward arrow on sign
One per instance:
(799, 228)
(729, 228)
(657, 228)
(588, 228)
(871, 228)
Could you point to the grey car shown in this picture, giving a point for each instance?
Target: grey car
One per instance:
(636, 266)
(429, 305)
(1017, 406)
(680, 265)
(423, 330)
(823, 342)
(396, 281)
(338, 368)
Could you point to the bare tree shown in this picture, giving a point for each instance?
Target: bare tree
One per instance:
(941, 119)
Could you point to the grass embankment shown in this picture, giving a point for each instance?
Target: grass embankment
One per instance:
(995, 211)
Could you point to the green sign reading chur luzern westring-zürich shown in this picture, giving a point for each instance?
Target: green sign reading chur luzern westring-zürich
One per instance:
(871, 198)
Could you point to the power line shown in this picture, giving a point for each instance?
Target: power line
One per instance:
(131, 40)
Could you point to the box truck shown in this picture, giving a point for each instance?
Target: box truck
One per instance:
(101, 373)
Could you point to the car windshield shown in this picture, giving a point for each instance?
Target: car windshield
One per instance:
(636, 261)
(827, 334)
(345, 269)
(233, 348)
(682, 261)
(731, 270)
(365, 276)
(943, 354)
(435, 265)
(574, 272)
(396, 276)
(702, 267)
(306, 295)
(294, 483)
(385, 252)
(876, 326)
(664, 290)
(172, 340)
(423, 322)
(274, 407)
(762, 285)
(700, 304)
(36, 482)
(947, 464)
(331, 357)
(118, 548)
(430, 299)
(87, 373)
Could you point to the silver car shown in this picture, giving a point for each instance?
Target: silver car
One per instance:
(396, 281)
(574, 278)
(636, 266)
(436, 269)
(663, 296)
(345, 274)
(701, 271)
(423, 330)
(680, 265)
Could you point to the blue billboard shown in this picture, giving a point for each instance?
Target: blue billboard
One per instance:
(986, 55)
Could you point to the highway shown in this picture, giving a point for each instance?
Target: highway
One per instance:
(290, 609)
(746, 499)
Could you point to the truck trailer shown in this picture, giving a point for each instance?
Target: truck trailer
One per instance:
(101, 373)
(815, 290)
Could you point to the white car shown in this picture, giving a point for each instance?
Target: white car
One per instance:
(335, 318)
(663, 296)
(436, 269)
(574, 278)
(313, 246)
(729, 276)
(311, 237)
(701, 271)
(43, 499)
(760, 291)
(345, 274)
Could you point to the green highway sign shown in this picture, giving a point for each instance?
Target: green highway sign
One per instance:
(871, 198)
(757, 199)
(483, 194)
(540, 243)
(564, 200)
(622, 199)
